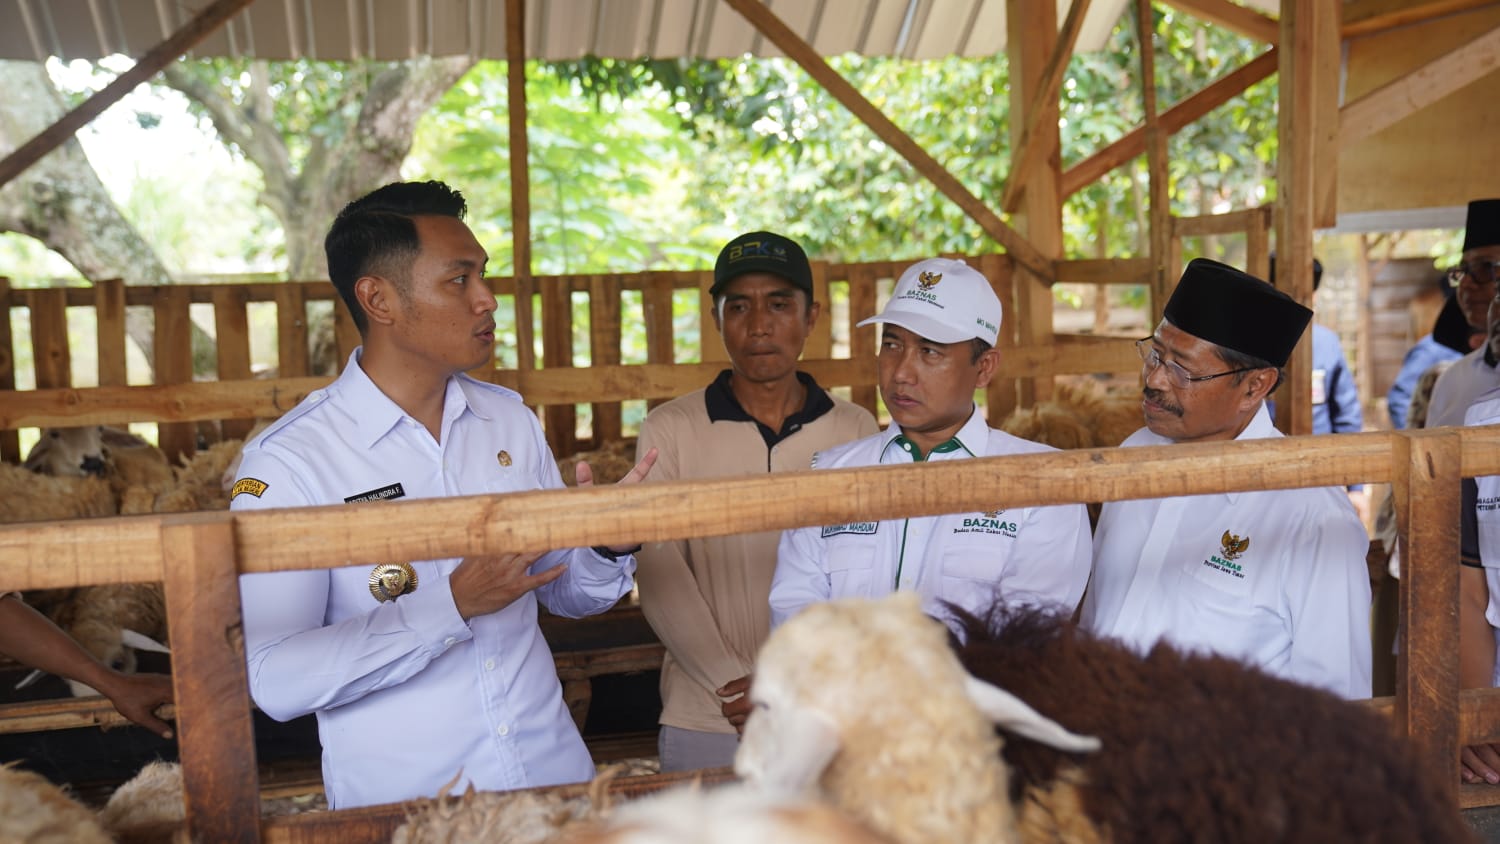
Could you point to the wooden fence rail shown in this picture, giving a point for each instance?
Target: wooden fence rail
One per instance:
(196, 556)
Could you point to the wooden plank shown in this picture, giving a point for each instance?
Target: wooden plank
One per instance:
(345, 333)
(174, 363)
(158, 57)
(604, 350)
(1129, 271)
(217, 739)
(49, 338)
(35, 716)
(820, 342)
(711, 343)
(1001, 397)
(109, 331)
(10, 441)
(1401, 97)
(557, 353)
(1133, 143)
(1230, 222)
(1427, 501)
(1159, 190)
(765, 20)
(156, 403)
(1239, 19)
(520, 181)
(1025, 158)
(1366, 17)
(862, 300)
(656, 302)
(291, 332)
(1258, 247)
(232, 339)
(1032, 27)
(51, 555)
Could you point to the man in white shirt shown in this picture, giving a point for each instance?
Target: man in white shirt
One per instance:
(419, 671)
(937, 348)
(1275, 578)
(1478, 372)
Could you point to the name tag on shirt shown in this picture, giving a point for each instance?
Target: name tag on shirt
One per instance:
(861, 528)
(385, 493)
(1319, 386)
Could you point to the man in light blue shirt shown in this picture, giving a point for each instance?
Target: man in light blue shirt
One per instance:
(431, 672)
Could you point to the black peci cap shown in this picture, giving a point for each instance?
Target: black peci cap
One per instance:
(762, 252)
(1482, 226)
(1236, 310)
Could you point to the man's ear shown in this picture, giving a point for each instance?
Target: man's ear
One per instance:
(988, 363)
(1259, 384)
(377, 296)
(814, 310)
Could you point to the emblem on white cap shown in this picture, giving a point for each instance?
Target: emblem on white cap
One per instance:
(944, 300)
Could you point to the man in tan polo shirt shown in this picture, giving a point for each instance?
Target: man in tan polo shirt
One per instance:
(707, 598)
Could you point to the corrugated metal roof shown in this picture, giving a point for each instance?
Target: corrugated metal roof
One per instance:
(559, 29)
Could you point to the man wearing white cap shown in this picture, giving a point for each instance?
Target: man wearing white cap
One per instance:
(1273, 578)
(936, 349)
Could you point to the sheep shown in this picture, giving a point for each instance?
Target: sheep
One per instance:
(148, 807)
(1050, 424)
(730, 814)
(1079, 415)
(26, 496)
(610, 462)
(74, 452)
(1197, 747)
(35, 811)
(864, 703)
(510, 817)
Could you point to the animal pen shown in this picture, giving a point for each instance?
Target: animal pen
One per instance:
(199, 556)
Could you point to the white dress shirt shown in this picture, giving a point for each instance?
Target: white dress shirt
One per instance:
(1486, 411)
(1466, 380)
(1274, 578)
(407, 694)
(1033, 555)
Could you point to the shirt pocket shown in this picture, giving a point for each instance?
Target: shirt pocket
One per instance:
(851, 566)
(973, 567)
(1217, 611)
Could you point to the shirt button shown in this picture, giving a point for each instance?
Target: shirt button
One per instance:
(503, 730)
(449, 642)
(489, 665)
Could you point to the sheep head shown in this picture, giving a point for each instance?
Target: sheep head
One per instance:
(863, 702)
(69, 452)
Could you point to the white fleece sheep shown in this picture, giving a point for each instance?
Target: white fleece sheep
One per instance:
(149, 807)
(729, 814)
(864, 704)
(34, 811)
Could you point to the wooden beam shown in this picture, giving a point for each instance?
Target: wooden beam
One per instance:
(1235, 18)
(158, 57)
(1427, 684)
(1028, 149)
(1213, 95)
(1419, 88)
(520, 181)
(1159, 190)
(1366, 17)
(1021, 249)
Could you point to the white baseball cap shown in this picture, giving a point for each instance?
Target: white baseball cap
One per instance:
(944, 300)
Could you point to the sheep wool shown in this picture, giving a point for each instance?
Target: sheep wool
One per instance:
(863, 703)
(1199, 747)
(510, 817)
(35, 811)
(149, 807)
(729, 814)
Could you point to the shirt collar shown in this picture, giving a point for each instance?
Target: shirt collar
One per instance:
(375, 414)
(974, 432)
(724, 407)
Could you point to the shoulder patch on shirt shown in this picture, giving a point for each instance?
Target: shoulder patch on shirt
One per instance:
(249, 485)
(383, 494)
(861, 528)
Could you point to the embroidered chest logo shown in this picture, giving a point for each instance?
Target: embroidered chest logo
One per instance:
(1231, 548)
(928, 280)
(992, 522)
(503, 457)
(856, 528)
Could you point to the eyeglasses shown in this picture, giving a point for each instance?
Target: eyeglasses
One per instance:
(1481, 270)
(1180, 378)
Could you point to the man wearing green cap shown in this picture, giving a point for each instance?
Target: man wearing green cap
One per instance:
(706, 597)
(1274, 578)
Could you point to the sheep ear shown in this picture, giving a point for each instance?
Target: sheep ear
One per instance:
(1011, 713)
(804, 746)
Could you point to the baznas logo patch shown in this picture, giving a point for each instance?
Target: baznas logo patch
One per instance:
(1233, 546)
(928, 280)
(249, 485)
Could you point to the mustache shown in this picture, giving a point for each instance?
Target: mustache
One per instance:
(1159, 398)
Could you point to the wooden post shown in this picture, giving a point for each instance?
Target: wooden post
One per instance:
(820, 342)
(49, 337)
(109, 329)
(232, 340)
(604, 350)
(1156, 165)
(10, 441)
(520, 182)
(656, 301)
(1025, 157)
(216, 736)
(557, 353)
(1000, 399)
(291, 330)
(1307, 124)
(710, 344)
(1425, 484)
(174, 362)
(1032, 28)
(862, 280)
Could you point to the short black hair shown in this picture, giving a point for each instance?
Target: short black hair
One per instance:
(375, 235)
(1240, 360)
(977, 348)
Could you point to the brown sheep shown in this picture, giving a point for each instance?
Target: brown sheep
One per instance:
(1050, 424)
(149, 807)
(1198, 747)
(35, 811)
(610, 462)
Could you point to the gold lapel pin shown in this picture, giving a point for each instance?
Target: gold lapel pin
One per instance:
(503, 457)
(388, 581)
